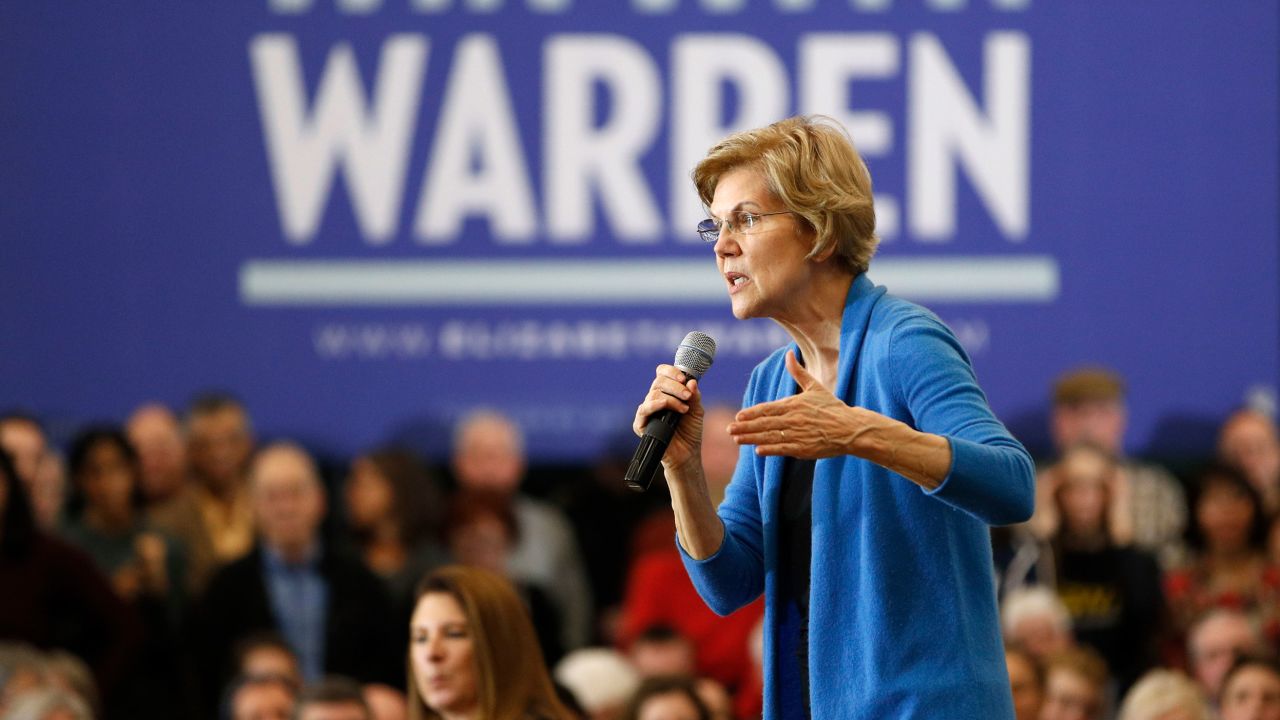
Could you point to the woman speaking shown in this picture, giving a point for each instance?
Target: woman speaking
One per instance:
(870, 463)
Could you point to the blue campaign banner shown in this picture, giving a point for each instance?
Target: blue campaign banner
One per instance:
(367, 216)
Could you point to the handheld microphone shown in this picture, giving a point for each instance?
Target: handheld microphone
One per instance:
(693, 357)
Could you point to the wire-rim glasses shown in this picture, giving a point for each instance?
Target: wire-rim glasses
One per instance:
(742, 222)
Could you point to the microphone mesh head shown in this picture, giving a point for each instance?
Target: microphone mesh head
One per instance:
(695, 353)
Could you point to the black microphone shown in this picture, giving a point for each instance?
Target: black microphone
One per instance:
(693, 357)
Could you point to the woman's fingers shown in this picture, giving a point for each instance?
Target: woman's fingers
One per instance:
(668, 391)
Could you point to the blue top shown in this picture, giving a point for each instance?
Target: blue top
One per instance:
(299, 597)
(903, 619)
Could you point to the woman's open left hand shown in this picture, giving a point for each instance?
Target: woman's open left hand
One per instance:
(811, 424)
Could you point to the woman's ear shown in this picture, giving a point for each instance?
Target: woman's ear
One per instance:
(806, 233)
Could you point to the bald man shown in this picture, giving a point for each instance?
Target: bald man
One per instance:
(1214, 643)
(157, 435)
(333, 612)
(489, 456)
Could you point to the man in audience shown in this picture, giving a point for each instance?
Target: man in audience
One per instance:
(489, 456)
(267, 653)
(334, 613)
(260, 698)
(162, 452)
(661, 650)
(212, 517)
(1089, 407)
(332, 698)
(1250, 441)
(1213, 644)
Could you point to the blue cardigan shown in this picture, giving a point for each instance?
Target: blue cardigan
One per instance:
(903, 620)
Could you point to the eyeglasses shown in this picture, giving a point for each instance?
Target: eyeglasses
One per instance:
(741, 222)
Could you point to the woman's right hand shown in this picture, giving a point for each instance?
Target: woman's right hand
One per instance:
(670, 391)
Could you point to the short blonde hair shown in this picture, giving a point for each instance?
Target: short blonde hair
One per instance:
(1161, 691)
(811, 166)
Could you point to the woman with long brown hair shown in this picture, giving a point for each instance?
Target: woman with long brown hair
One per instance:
(473, 652)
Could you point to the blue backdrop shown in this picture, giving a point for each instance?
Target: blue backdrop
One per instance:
(366, 216)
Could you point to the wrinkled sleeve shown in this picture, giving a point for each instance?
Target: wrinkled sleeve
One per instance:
(991, 475)
(734, 575)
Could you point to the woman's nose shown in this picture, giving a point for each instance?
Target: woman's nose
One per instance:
(435, 649)
(725, 244)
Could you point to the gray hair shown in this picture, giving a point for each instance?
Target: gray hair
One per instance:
(38, 704)
(1034, 601)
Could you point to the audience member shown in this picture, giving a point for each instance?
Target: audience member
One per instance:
(1250, 441)
(1214, 643)
(1026, 682)
(1230, 566)
(259, 698)
(481, 532)
(266, 653)
(334, 613)
(393, 508)
(143, 564)
(50, 499)
(489, 455)
(156, 434)
(1089, 407)
(1075, 686)
(332, 698)
(1251, 690)
(473, 652)
(1164, 695)
(1113, 593)
(53, 596)
(661, 651)
(666, 698)
(601, 679)
(145, 567)
(48, 704)
(38, 466)
(1035, 620)
(212, 517)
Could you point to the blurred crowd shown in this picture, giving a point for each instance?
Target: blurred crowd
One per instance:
(176, 565)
